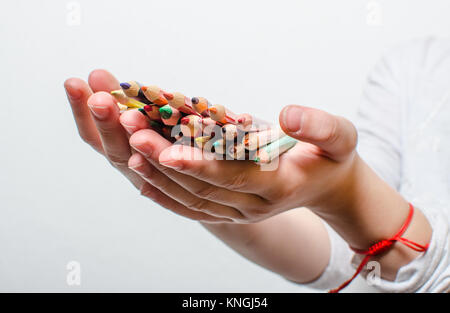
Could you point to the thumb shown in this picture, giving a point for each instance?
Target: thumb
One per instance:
(335, 135)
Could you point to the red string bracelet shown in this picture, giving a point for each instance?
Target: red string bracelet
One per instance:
(382, 246)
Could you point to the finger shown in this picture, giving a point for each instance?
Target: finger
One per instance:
(106, 117)
(151, 144)
(78, 92)
(157, 196)
(150, 174)
(247, 204)
(239, 176)
(102, 80)
(133, 121)
(233, 175)
(335, 135)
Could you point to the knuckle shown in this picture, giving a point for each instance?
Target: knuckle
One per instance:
(146, 191)
(206, 192)
(89, 140)
(117, 162)
(257, 214)
(237, 182)
(332, 134)
(161, 183)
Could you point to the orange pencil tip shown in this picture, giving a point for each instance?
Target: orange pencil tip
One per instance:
(213, 110)
(144, 88)
(168, 95)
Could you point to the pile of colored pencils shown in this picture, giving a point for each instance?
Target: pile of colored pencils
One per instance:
(195, 121)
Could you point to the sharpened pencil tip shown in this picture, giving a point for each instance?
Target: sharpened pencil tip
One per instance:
(166, 112)
(184, 120)
(144, 88)
(257, 159)
(125, 85)
(148, 108)
(168, 95)
(213, 110)
(194, 100)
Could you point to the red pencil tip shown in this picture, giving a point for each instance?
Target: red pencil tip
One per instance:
(184, 121)
(148, 108)
(144, 88)
(241, 120)
(168, 96)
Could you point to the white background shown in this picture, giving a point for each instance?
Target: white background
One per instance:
(60, 201)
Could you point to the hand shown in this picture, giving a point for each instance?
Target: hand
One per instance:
(312, 174)
(97, 117)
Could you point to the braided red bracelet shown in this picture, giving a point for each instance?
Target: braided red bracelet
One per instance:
(382, 246)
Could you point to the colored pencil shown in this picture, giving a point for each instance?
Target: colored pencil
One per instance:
(121, 97)
(180, 102)
(191, 126)
(122, 107)
(151, 111)
(220, 114)
(210, 126)
(244, 122)
(220, 146)
(201, 105)
(154, 94)
(236, 151)
(203, 142)
(169, 115)
(133, 89)
(229, 131)
(255, 140)
(273, 150)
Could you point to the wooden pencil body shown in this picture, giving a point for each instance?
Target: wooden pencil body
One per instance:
(154, 94)
(274, 149)
(191, 126)
(201, 105)
(222, 115)
(255, 140)
(180, 102)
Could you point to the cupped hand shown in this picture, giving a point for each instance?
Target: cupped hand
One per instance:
(313, 173)
(98, 121)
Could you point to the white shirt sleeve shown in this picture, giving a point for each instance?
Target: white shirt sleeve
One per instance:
(379, 124)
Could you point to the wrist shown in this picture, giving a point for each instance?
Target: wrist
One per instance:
(363, 208)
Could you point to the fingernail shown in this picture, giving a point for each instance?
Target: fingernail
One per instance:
(292, 117)
(130, 129)
(99, 112)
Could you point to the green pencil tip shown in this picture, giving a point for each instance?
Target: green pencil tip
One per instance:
(166, 112)
(257, 159)
(142, 111)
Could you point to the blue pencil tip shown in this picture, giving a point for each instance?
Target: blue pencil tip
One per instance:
(125, 85)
